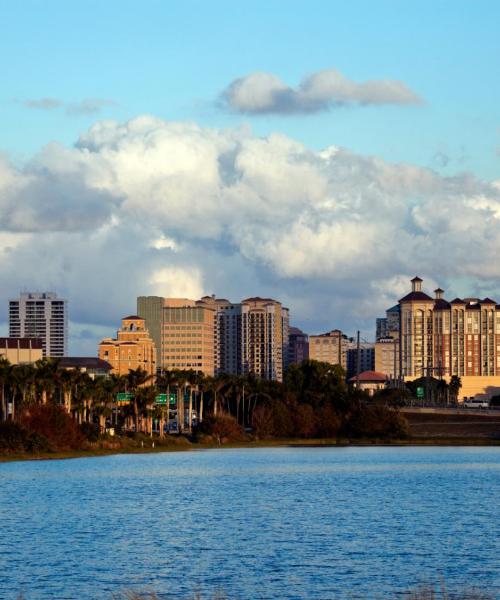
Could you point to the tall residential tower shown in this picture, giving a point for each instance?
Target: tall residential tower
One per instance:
(43, 316)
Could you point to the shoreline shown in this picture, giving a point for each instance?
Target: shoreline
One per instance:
(282, 443)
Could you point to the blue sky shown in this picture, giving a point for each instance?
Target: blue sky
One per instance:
(172, 59)
(236, 197)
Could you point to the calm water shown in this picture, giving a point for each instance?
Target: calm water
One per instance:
(259, 523)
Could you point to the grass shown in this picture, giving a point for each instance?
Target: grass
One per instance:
(268, 443)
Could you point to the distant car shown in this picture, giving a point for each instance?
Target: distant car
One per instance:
(475, 403)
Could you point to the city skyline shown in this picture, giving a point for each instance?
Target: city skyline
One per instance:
(245, 165)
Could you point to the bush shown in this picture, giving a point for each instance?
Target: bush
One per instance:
(223, 427)
(263, 422)
(54, 423)
(90, 431)
(12, 437)
(16, 438)
(376, 421)
(328, 421)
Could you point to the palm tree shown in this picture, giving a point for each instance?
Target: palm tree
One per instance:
(5, 376)
(135, 379)
(454, 387)
(47, 375)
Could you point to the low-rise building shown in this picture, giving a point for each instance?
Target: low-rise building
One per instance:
(369, 381)
(93, 366)
(19, 351)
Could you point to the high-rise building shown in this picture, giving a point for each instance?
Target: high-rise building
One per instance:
(185, 329)
(264, 333)
(216, 336)
(330, 347)
(227, 335)
(388, 326)
(440, 338)
(43, 316)
(298, 346)
(133, 348)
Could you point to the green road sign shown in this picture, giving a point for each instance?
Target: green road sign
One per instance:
(161, 399)
(420, 393)
(172, 398)
(124, 397)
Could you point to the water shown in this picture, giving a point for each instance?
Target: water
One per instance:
(282, 523)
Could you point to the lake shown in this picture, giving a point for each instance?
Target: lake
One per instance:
(270, 523)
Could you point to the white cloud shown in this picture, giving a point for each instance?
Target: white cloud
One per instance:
(154, 207)
(264, 93)
(175, 282)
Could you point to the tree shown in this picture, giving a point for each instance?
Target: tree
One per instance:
(454, 387)
(135, 379)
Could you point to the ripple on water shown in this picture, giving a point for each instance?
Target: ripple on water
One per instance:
(281, 523)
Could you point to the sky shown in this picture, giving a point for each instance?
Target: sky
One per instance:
(321, 153)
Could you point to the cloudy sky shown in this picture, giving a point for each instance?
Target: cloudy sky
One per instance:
(322, 153)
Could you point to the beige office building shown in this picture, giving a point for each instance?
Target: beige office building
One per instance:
(133, 348)
(329, 347)
(185, 329)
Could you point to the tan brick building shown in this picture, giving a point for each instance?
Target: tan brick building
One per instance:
(133, 348)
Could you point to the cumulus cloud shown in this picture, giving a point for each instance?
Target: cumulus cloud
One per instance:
(265, 93)
(156, 207)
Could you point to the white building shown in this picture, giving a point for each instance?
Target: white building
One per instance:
(40, 315)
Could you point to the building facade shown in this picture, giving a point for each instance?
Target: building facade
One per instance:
(19, 351)
(387, 357)
(40, 315)
(298, 346)
(185, 330)
(264, 337)
(216, 336)
(330, 347)
(133, 348)
(366, 358)
(441, 338)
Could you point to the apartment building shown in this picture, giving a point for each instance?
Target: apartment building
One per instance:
(330, 347)
(264, 337)
(443, 338)
(40, 315)
(133, 348)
